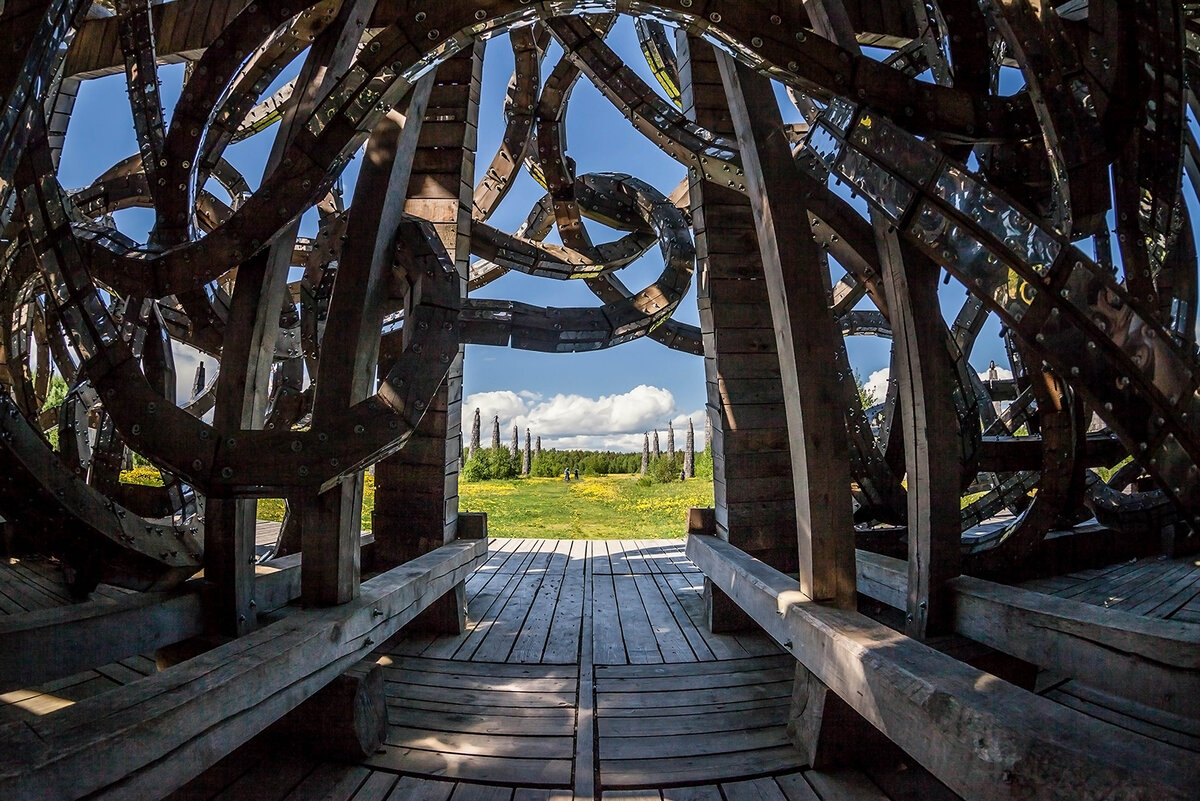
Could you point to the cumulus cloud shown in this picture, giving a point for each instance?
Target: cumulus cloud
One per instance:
(878, 381)
(1001, 373)
(615, 422)
(505, 403)
(877, 384)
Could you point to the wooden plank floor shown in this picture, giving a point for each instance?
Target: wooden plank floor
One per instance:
(586, 667)
(1152, 587)
(30, 584)
(585, 670)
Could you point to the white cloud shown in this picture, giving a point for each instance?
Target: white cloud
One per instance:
(615, 422)
(505, 403)
(877, 384)
(1001, 373)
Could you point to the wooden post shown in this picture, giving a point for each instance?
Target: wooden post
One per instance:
(346, 720)
(330, 520)
(931, 443)
(416, 490)
(804, 335)
(755, 506)
(825, 729)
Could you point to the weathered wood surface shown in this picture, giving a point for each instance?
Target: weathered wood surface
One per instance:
(941, 711)
(492, 718)
(1162, 588)
(740, 407)
(53, 642)
(1148, 660)
(527, 583)
(658, 724)
(805, 337)
(155, 734)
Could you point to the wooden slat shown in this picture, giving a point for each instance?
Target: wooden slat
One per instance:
(476, 720)
(1153, 661)
(699, 743)
(523, 772)
(641, 646)
(753, 790)
(607, 641)
(563, 641)
(907, 689)
(694, 770)
(695, 720)
(478, 744)
(154, 735)
(795, 788)
(844, 785)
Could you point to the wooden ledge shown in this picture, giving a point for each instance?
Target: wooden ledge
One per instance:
(1151, 661)
(149, 737)
(983, 737)
(48, 644)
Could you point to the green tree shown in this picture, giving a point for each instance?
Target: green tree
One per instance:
(56, 393)
(866, 397)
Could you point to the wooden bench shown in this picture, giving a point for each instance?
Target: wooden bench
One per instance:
(147, 738)
(981, 736)
(47, 644)
(1151, 661)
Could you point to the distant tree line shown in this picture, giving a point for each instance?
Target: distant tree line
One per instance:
(483, 464)
(500, 463)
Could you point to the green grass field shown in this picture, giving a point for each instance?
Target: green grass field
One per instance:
(601, 507)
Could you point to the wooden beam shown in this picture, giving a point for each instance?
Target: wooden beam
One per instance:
(796, 287)
(47, 644)
(932, 451)
(735, 320)
(330, 520)
(150, 737)
(981, 736)
(1151, 661)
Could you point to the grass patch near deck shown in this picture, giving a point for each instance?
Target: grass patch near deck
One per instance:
(594, 507)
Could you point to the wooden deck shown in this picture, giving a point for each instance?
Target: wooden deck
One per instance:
(1155, 587)
(29, 585)
(586, 669)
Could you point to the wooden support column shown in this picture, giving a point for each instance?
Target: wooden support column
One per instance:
(826, 730)
(925, 383)
(752, 470)
(416, 490)
(330, 521)
(249, 344)
(804, 334)
(346, 720)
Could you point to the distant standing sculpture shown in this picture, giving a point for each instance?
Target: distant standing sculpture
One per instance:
(495, 432)
(474, 435)
(689, 452)
(645, 453)
(527, 462)
(657, 452)
(670, 441)
(537, 446)
(513, 447)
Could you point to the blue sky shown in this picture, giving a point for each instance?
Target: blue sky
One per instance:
(564, 397)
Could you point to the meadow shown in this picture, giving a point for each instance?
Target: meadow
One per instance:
(593, 507)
